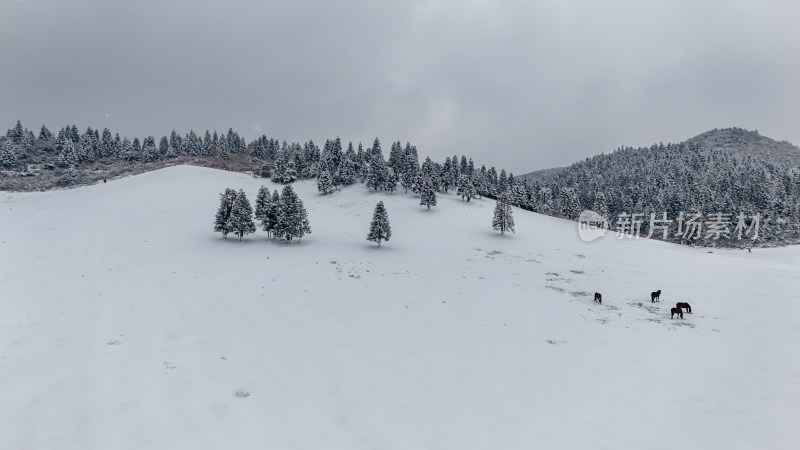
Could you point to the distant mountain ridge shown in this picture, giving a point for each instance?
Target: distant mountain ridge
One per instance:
(735, 140)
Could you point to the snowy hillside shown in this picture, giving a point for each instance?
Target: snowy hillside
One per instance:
(127, 323)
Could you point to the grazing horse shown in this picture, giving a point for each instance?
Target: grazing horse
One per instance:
(598, 298)
(685, 306)
(655, 296)
(677, 311)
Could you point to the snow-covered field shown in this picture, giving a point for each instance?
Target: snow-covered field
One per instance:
(126, 323)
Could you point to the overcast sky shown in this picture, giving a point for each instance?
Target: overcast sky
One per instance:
(516, 84)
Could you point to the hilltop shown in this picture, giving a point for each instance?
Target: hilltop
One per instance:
(745, 142)
(734, 140)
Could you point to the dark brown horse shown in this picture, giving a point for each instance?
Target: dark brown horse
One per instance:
(598, 298)
(655, 296)
(677, 311)
(685, 306)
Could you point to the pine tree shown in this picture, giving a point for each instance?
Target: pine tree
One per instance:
(45, 134)
(445, 175)
(240, 221)
(266, 171)
(262, 204)
(377, 172)
(292, 216)
(68, 156)
(503, 215)
(390, 185)
(226, 202)
(8, 157)
(163, 145)
(466, 189)
(570, 205)
(600, 206)
(285, 171)
(270, 221)
(379, 229)
(176, 142)
(410, 168)
(427, 192)
(16, 134)
(502, 182)
(325, 182)
(348, 171)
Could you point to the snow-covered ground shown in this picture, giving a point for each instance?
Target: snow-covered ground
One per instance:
(126, 323)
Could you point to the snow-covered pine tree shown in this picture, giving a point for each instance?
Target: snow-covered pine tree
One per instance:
(445, 180)
(362, 162)
(68, 157)
(8, 157)
(84, 149)
(390, 185)
(348, 171)
(45, 134)
(285, 171)
(223, 147)
(16, 133)
(379, 229)
(466, 189)
(427, 192)
(600, 205)
(176, 142)
(292, 216)
(503, 215)
(262, 204)
(126, 150)
(163, 145)
(325, 182)
(502, 181)
(226, 201)
(270, 221)
(376, 170)
(410, 167)
(240, 220)
(570, 205)
(105, 147)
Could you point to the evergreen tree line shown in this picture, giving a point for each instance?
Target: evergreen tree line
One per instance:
(662, 178)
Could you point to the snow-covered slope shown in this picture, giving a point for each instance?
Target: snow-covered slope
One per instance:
(126, 323)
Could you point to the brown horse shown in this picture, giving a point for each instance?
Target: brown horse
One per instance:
(677, 311)
(655, 296)
(685, 306)
(598, 298)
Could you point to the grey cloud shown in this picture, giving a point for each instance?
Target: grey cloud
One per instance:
(515, 84)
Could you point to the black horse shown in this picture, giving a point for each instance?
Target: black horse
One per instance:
(677, 311)
(655, 296)
(684, 305)
(598, 298)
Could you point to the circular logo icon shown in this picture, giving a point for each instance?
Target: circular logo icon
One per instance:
(591, 225)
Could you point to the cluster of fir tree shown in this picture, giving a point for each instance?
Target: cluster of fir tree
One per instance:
(281, 215)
